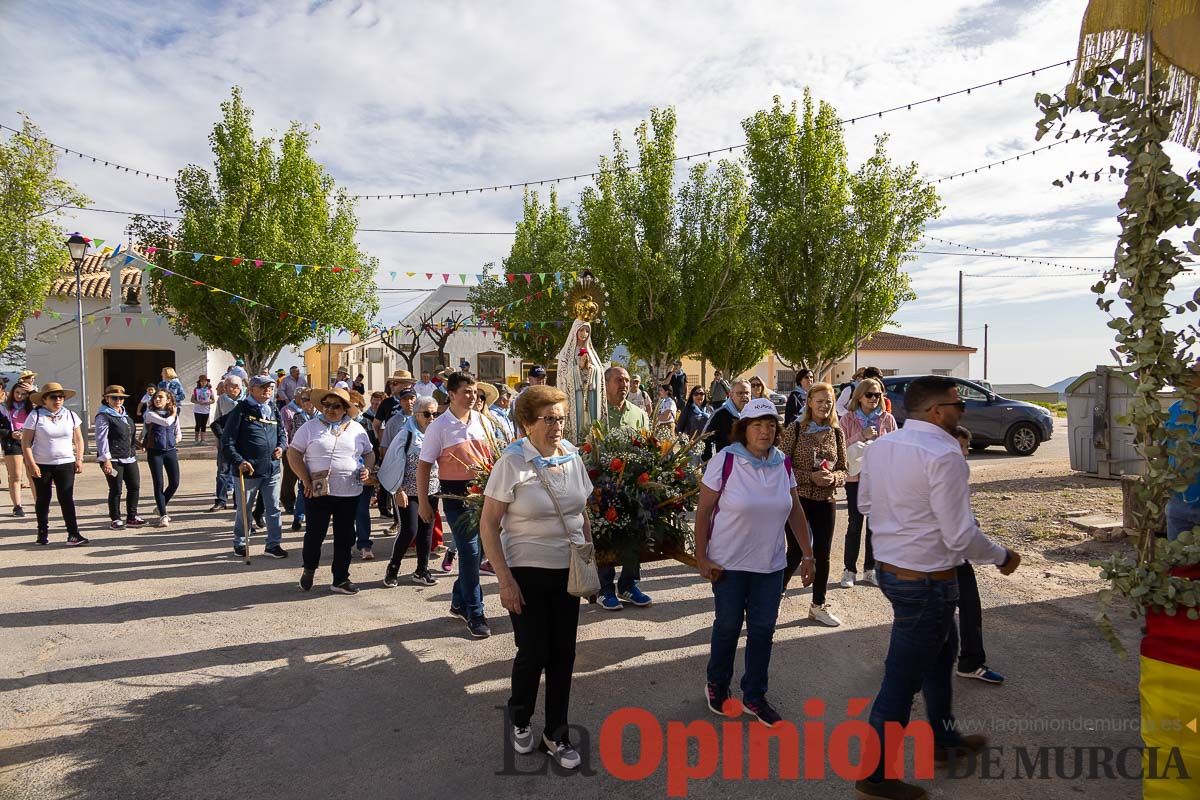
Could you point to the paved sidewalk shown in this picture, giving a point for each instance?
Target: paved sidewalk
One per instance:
(154, 664)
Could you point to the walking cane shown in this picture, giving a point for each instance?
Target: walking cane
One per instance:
(245, 516)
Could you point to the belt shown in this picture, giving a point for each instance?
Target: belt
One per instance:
(914, 575)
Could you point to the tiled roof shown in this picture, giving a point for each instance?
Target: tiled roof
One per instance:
(894, 341)
(95, 278)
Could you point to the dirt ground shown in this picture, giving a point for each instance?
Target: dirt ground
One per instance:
(153, 664)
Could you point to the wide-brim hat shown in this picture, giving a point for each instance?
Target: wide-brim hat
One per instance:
(490, 393)
(403, 375)
(114, 390)
(26, 374)
(50, 388)
(317, 396)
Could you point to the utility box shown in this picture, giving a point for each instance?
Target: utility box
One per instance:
(1099, 444)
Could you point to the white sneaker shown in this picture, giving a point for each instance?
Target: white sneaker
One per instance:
(522, 739)
(847, 581)
(163, 521)
(822, 615)
(562, 752)
(869, 577)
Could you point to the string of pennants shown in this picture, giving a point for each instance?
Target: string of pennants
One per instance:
(107, 319)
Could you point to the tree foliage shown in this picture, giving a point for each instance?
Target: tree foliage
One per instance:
(1159, 205)
(672, 262)
(826, 244)
(546, 242)
(32, 246)
(269, 201)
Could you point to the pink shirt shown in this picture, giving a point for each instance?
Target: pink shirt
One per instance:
(854, 429)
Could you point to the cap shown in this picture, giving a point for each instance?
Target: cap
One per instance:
(537, 371)
(240, 362)
(262, 380)
(280, 373)
(409, 392)
(759, 407)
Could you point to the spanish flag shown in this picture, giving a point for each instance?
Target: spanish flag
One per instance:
(1170, 689)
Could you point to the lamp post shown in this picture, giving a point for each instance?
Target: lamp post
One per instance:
(78, 245)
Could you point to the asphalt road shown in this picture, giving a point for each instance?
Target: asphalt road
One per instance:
(153, 664)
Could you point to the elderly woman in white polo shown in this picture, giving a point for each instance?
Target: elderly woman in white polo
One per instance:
(534, 508)
(53, 448)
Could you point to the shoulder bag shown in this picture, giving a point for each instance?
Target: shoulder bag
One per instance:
(583, 580)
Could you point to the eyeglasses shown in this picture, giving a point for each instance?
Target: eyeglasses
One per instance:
(756, 384)
(426, 414)
(872, 395)
(961, 405)
(553, 421)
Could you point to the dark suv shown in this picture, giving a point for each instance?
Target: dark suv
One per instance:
(990, 418)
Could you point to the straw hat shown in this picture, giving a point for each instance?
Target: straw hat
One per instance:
(50, 388)
(114, 390)
(317, 396)
(403, 375)
(490, 393)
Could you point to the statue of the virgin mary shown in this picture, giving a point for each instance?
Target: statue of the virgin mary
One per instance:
(580, 370)
(581, 378)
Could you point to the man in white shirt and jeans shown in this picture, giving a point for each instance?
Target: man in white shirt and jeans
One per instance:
(914, 488)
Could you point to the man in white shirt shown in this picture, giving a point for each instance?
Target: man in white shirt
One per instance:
(293, 383)
(914, 488)
(425, 387)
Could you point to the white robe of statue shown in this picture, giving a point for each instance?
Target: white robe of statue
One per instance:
(581, 378)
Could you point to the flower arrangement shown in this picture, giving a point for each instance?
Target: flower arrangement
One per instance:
(644, 485)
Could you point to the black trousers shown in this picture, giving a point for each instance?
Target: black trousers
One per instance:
(201, 424)
(412, 528)
(60, 477)
(970, 621)
(820, 516)
(130, 476)
(163, 461)
(545, 635)
(854, 530)
(287, 488)
(319, 512)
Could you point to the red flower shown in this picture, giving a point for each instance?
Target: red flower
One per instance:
(611, 515)
(474, 489)
(644, 478)
(586, 448)
(593, 473)
(679, 473)
(616, 465)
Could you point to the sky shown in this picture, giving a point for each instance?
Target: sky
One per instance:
(415, 97)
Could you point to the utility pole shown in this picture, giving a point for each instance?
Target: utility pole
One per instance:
(329, 355)
(960, 287)
(985, 351)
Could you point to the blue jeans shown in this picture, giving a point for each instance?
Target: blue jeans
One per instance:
(298, 508)
(1181, 516)
(362, 518)
(754, 597)
(225, 477)
(467, 594)
(269, 487)
(630, 575)
(920, 656)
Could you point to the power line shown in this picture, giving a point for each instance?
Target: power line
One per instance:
(1025, 259)
(95, 159)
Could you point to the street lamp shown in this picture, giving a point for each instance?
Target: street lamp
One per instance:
(78, 246)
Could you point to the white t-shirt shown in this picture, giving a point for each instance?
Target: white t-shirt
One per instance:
(530, 532)
(666, 408)
(747, 532)
(338, 454)
(53, 436)
(424, 388)
(343, 385)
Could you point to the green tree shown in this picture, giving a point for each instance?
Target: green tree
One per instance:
(737, 344)
(545, 243)
(32, 246)
(826, 244)
(673, 264)
(277, 205)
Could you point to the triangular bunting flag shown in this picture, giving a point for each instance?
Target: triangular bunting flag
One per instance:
(118, 250)
(428, 276)
(55, 315)
(410, 274)
(236, 261)
(107, 320)
(463, 278)
(510, 278)
(528, 279)
(128, 321)
(258, 262)
(393, 275)
(37, 314)
(128, 260)
(298, 268)
(218, 258)
(98, 242)
(445, 277)
(480, 278)
(144, 321)
(151, 250)
(197, 256)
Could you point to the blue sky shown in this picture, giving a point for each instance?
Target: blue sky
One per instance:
(430, 96)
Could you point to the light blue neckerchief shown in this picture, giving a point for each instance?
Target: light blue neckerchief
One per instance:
(774, 457)
(517, 448)
(870, 419)
(264, 408)
(112, 412)
(334, 427)
(731, 408)
(815, 428)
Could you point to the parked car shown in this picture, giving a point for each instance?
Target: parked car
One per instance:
(780, 401)
(992, 420)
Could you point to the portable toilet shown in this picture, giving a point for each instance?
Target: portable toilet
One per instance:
(1099, 444)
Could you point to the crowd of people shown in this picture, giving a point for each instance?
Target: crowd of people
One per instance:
(767, 510)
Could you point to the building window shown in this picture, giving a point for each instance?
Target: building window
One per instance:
(944, 372)
(785, 380)
(490, 367)
(887, 372)
(429, 363)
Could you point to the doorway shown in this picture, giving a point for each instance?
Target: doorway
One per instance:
(136, 369)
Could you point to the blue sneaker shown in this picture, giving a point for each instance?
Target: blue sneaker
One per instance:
(636, 596)
(982, 674)
(609, 602)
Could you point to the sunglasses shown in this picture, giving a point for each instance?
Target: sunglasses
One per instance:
(426, 414)
(872, 395)
(332, 404)
(961, 405)
(56, 397)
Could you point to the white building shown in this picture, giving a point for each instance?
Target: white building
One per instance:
(896, 354)
(477, 345)
(124, 341)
